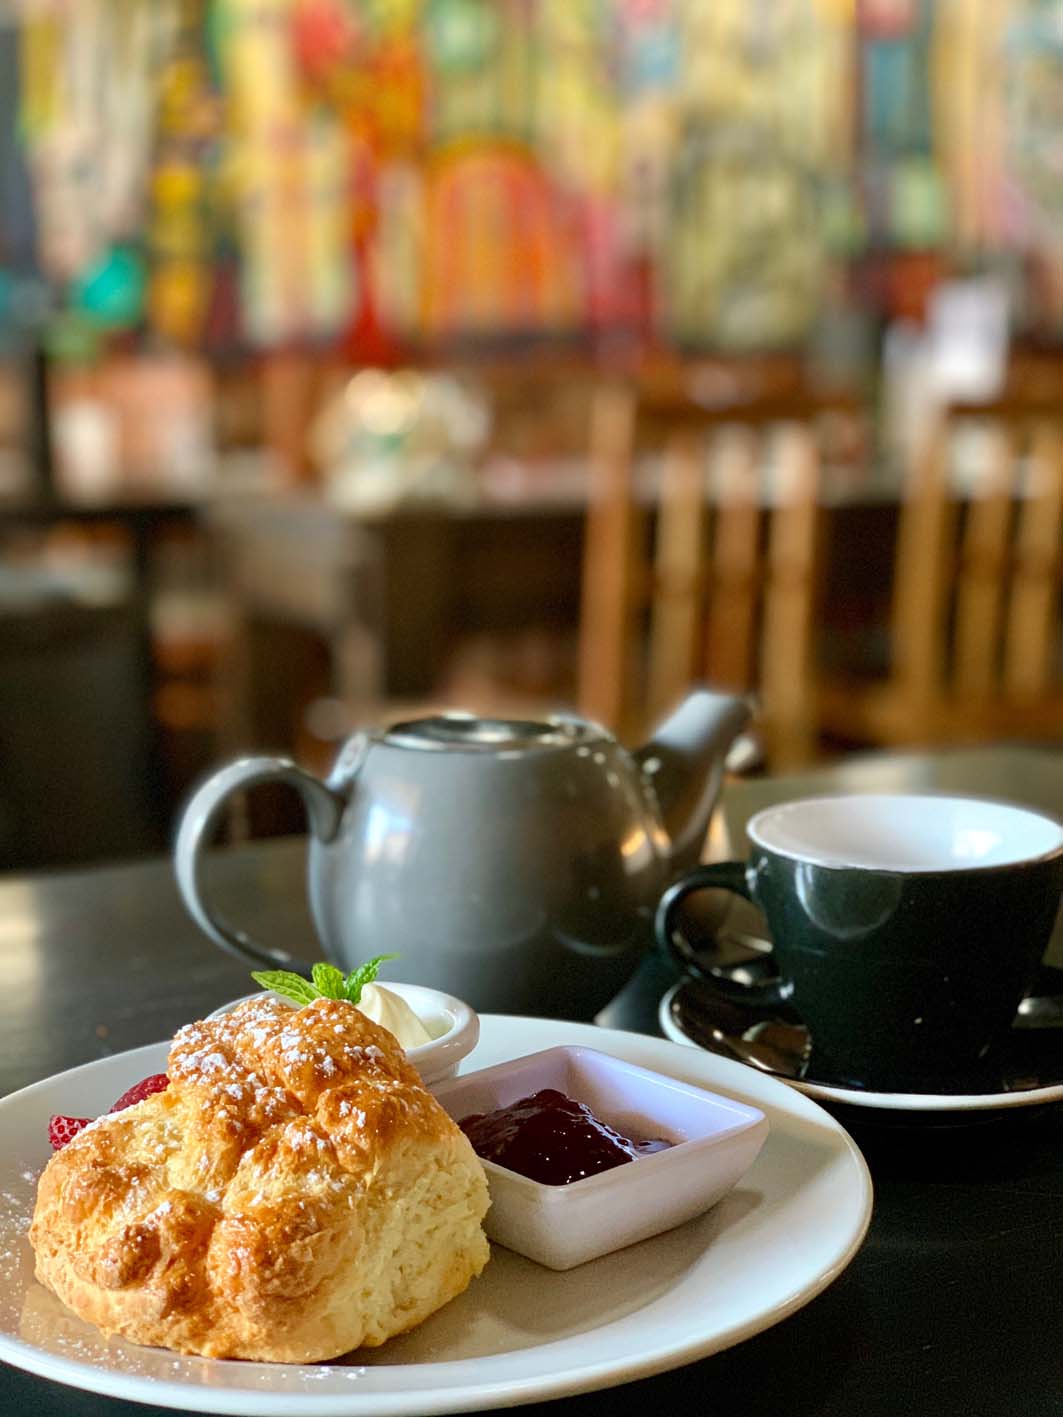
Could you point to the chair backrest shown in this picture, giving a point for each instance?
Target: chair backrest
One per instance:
(979, 569)
(701, 561)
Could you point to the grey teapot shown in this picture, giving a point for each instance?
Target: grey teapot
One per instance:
(515, 864)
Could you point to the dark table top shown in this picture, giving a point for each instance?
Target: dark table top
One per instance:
(952, 1305)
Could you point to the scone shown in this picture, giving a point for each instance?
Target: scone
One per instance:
(293, 1194)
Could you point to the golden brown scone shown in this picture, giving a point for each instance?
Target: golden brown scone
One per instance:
(293, 1194)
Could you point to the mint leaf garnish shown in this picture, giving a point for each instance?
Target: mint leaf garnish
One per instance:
(329, 982)
(363, 975)
(283, 981)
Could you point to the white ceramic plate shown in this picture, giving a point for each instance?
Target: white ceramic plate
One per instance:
(520, 1333)
(878, 1101)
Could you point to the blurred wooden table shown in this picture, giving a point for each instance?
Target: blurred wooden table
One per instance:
(402, 600)
(951, 1307)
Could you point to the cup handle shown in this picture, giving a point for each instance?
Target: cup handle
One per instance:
(720, 875)
(324, 809)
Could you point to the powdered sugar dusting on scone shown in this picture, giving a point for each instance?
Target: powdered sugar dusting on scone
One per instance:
(275, 1201)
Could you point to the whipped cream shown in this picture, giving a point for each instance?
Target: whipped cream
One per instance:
(394, 1014)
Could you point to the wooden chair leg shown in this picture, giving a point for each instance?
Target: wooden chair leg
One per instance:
(733, 590)
(982, 576)
(925, 563)
(1033, 613)
(786, 659)
(675, 611)
(607, 594)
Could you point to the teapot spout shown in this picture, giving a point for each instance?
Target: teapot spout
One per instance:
(686, 757)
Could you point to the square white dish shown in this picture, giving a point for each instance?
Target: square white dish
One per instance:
(715, 1141)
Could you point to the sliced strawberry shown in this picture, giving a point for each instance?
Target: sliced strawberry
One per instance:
(158, 1082)
(63, 1129)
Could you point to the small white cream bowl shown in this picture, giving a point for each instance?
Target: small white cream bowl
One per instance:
(715, 1141)
(453, 1024)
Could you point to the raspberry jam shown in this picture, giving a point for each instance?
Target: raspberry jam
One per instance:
(551, 1138)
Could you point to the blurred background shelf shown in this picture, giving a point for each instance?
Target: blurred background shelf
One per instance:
(310, 309)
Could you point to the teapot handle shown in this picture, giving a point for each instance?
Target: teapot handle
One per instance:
(324, 808)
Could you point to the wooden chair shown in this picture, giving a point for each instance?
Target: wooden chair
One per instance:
(702, 563)
(975, 629)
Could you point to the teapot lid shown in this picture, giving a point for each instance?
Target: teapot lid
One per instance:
(461, 731)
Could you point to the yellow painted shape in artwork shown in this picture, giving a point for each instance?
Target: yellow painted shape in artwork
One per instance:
(40, 62)
(836, 12)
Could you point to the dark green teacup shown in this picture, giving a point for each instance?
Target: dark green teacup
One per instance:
(905, 929)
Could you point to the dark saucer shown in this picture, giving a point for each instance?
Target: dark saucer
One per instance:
(1026, 1071)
